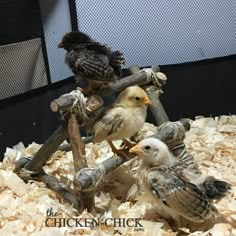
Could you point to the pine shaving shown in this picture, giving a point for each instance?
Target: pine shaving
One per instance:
(23, 206)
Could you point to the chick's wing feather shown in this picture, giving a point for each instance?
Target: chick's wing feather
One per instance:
(179, 195)
(90, 63)
(112, 122)
(95, 66)
(113, 59)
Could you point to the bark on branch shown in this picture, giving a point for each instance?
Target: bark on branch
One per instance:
(77, 145)
(156, 107)
(45, 152)
(138, 77)
(78, 150)
(50, 181)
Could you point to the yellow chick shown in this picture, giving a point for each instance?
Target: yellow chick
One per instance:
(124, 119)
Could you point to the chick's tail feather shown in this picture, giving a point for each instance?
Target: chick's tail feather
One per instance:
(117, 58)
(215, 189)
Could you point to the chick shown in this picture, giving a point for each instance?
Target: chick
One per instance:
(124, 119)
(165, 178)
(91, 61)
(173, 134)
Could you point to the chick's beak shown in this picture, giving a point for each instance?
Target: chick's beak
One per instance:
(60, 45)
(136, 150)
(147, 101)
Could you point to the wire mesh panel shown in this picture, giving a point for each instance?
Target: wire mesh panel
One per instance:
(22, 59)
(161, 31)
(19, 21)
(22, 67)
(56, 22)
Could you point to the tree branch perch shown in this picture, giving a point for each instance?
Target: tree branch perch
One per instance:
(75, 109)
(172, 133)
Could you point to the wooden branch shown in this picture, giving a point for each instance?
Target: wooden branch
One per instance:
(51, 145)
(88, 178)
(45, 152)
(77, 145)
(156, 107)
(65, 102)
(67, 147)
(94, 102)
(78, 150)
(139, 78)
(51, 182)
(64, 147)
(136, 69)
(172, 133)
(70, 105)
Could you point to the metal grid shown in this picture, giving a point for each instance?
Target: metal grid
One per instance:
(56, 22)
(162, 31)
(22, 67)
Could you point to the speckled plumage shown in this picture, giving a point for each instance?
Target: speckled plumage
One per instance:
(179, 195)
(174, 134)
(171, 182)
(91, 60)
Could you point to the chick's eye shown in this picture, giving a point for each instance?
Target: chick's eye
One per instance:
(147, 147)
(137, 98)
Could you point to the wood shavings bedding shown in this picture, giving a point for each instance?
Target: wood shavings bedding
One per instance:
(24, 206)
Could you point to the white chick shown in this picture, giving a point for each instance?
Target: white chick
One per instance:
(163, 176)
(124, 119)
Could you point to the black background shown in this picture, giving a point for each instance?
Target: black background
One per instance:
(19, 20)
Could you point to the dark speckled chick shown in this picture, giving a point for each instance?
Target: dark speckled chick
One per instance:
(91, 61)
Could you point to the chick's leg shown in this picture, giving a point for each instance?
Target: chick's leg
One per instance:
(118, 152)
(126, 144)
